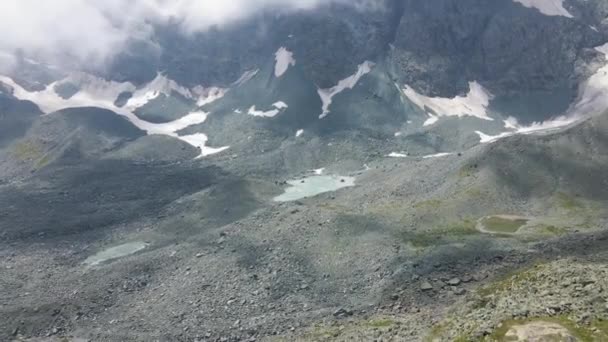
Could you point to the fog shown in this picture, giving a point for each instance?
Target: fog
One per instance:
(92, 31)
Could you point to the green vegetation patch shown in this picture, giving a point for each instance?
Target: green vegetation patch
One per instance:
(436, 332)
(28, 150)
(42, 162)
(468, 170)
(429, 204)
(394, 209)
(567, 201)
(324, 332)
(381, 323)
(503, 225)
(440, 236)
(550, 229)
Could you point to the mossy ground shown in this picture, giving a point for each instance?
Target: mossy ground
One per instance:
(31, 151)
(429, 204)
(511, 279)
(437, 333)
(28, 150)
(568, 202)
(331, 333)
(447, 233)
(380, 323)
(468, 170)
(547, 229)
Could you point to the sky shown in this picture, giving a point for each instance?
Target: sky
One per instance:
(91, 31)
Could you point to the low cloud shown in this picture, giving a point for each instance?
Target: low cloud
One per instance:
(92, 31)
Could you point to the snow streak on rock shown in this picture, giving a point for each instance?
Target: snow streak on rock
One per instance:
(96, 92)
(594, 95)
(397, 155)
(208, 95)
(536, 127)
(475, 103)
(547, 7)
(347, 83)
(593, 99)
(278, 108)
(437, 155)
(284, 59)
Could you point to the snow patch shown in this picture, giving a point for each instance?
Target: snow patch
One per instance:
(511, 123)
(437, 155)
(547, 7)
(536, 127)
(171, 128)
(208, 95)
(485, 138)
(593, 97)
(284, 59)
(545, 126)
(347, 83)
(96, 92)
(159, 85)
(475, 103)
(200, 140)
(95, 87)
(279, 107)
(431, 120)
(167, 128)
(397, 155)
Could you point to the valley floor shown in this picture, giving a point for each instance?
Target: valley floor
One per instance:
(397, 257)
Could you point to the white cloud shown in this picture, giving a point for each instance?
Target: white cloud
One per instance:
(92, 31)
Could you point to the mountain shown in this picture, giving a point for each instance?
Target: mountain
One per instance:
(387, 169)
(17, 117)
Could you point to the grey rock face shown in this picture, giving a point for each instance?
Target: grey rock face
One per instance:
(92, 180)
(531, 62)
(329, 43)
(165, 108)
(441, 45)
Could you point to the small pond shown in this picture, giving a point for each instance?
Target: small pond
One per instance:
(312, 186)
(502, 224)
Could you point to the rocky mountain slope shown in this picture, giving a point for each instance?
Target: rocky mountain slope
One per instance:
(391, 170)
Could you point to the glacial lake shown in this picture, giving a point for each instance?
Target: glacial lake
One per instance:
(312, 186)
